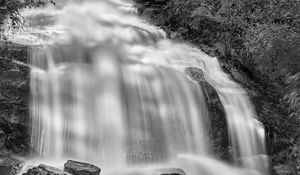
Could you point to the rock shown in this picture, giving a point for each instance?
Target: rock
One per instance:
(4, 152)
(3, 15)
(218, 124)
(80, 168)
(45, 170)
(16, 169)
(5, 169)
(2, 138)
(14, 97)
(195, 73)
(7, 165)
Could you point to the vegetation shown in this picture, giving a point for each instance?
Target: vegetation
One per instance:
(258, 43)
(11, 8)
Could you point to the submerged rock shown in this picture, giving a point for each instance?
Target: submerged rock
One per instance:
(80, 168)
(45, 170)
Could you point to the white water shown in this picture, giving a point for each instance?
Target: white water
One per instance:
(110, 89)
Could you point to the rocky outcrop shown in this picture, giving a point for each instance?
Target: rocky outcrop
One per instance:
(70, 168)
(8, 166)
(218, 127)
(80, 168)
(45, 170)
(14, 98)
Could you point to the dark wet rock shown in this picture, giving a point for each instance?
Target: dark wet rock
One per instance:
(152, 2)
(14, 97)
(146, 8)
(195, 74)
(5, 168)
(4, 152)
(45, 170)
(16, 168)
(3, 15)
(2, 138)
(80, 168)
(7, 165)
(218, 125)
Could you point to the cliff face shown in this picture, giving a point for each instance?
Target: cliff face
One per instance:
(14, 99)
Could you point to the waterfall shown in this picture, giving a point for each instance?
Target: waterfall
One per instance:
(111, 89)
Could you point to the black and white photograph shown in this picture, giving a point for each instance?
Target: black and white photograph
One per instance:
(149, 87)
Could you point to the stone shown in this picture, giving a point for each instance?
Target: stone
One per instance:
(14, 98)
(80, 168)
(7, 165)
(5, 169)
(195, 73)
(17, 168)
(2, 138)
(45, 170)
(217, 123)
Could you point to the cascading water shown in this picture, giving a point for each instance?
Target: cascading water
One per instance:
(112, 90)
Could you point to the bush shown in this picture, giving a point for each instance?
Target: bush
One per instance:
(11, 8)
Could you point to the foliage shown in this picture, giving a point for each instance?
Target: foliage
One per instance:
(11, 8)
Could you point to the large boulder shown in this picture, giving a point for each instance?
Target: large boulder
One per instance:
(80, 168)
(45, 170)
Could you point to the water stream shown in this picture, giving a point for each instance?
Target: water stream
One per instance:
(111, 89)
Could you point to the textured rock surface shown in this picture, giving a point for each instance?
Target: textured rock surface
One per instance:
(14, 98)
(80, 168)
(45, 170)
(218, 126)
(7, 165)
